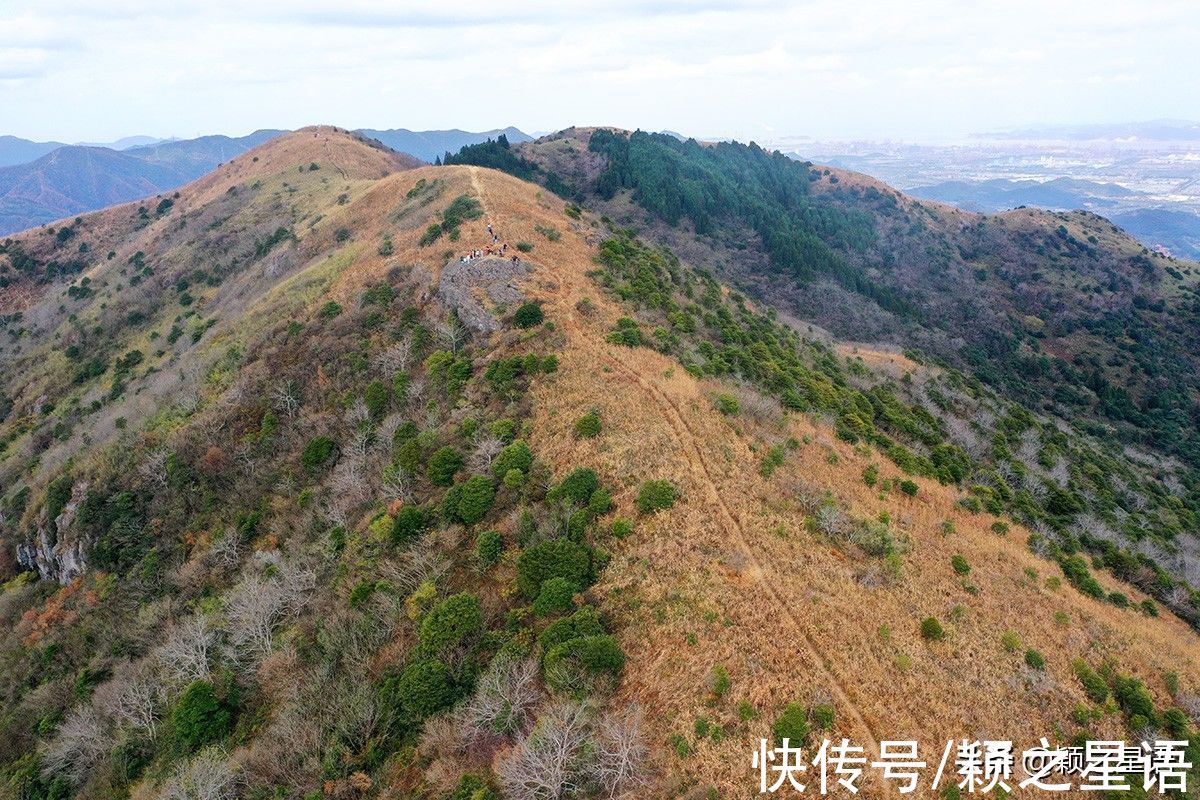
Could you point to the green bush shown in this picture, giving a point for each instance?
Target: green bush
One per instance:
(792, 725)
(473, 787)
(557, 595)
(870, 475)
(525, 247)
(199, 717)
(588, 425)
(377, 396)
(318, 451)
(516, 456)
(1078, 575)
(910, 488)
(727, 404)
(489, 546)
(1094, 685)
(330, 310)
(410, 523)
(450, 622)
(1034, 659)
(822, 717)
(423, 689)
(578, 485)
(621, 527)
(655, 496)
(1133, 697)
(960, 565)
(584, 622)
(475, 500)
(529, 315)
(568, 664)
(600, 503)
(1175, 721)
(444, 464)
(1011, 641)
(626, 333)
(932, 630)
(556, 558)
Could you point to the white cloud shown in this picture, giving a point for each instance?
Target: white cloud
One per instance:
(84, 69)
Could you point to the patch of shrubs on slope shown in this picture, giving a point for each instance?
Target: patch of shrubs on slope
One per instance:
(363, 522)
(682, 312)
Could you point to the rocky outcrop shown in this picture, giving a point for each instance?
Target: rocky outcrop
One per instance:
(474, 288)
(57, 551)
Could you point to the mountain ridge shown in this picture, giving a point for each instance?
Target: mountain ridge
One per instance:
(266, 394)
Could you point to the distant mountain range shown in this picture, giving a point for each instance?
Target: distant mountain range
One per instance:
(1177, 230)
(44, 181)
(431, 145)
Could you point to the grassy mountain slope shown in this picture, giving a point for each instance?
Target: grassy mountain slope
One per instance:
(1061, 313)
(266, 425)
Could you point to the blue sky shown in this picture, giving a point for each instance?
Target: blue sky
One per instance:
(74, 70)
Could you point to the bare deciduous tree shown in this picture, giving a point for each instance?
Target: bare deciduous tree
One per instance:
(258, 604)
(206, 776)
(503, 700)
(398, 483)
(545, 764)
(620, 754)
(153, 468)
(187, 653)
(487, 447)
(80, 742)
(135, 698)
(451, 333)
(286, 398)
(395, 358)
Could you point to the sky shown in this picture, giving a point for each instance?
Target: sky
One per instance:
(763, 70)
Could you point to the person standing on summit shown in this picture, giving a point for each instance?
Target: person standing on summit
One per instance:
(489, 229)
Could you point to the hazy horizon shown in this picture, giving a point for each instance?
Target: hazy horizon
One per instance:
(87, 71)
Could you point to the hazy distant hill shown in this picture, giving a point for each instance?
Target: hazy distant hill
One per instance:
(429, 145)
(71, 179)
(1176, 230)
(44, 181)
(14, 150)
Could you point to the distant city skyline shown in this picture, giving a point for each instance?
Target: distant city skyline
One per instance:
(80, 70)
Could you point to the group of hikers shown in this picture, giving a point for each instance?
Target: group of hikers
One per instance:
(496, 249)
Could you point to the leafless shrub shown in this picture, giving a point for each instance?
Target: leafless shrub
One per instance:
(206, 776)
(451, 333)
(153, 468)
(423, 561)
(399, 484)
(830, 520)
(620, 755)
(225, 550)
(503, 700)
(756, 406)
(135, 698)
(395, 358)
(80, 742)
(357, 413)
(487, 447)
(285, 397)
(416, 390)
(545, 764)
(258, 604)
(187, 653)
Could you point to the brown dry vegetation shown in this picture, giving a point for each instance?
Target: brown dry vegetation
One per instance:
(788, 613)
(732, 576)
